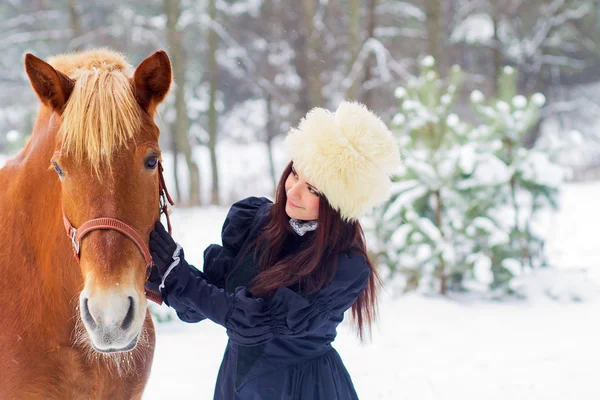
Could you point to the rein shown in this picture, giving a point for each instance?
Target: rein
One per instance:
(77, 235)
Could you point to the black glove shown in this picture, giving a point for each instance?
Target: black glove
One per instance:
(163, 250)
(153, 281)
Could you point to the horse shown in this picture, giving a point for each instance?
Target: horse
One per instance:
(77, 206)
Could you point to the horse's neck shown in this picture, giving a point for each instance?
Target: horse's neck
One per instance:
(38, 251)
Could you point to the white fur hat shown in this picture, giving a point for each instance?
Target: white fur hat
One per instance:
(348, 156)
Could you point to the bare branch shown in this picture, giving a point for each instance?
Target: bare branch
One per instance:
(562, 107)
(256, 79)
(385, 63)
(402, 8)
(562, 61)
(393, 31)
(466, 9)
(550, 20)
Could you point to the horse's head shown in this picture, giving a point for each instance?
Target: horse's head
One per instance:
(106, 158)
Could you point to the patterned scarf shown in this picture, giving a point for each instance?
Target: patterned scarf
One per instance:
(301, 227)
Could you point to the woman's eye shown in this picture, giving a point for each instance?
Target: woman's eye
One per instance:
(313, 191)
(152, 163)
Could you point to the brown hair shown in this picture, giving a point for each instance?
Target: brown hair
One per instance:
(315, 263)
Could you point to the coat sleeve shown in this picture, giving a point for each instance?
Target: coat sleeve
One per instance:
(250, 321)
(218, 259)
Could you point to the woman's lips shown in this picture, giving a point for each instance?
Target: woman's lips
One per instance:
(292, 204)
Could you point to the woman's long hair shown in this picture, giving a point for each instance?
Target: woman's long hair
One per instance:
(314, 264)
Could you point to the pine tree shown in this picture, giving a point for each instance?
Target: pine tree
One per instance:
(534, 179)
(457, 213)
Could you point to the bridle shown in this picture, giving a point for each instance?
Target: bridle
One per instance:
(76, 235)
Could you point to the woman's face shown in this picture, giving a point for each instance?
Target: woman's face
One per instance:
(302, 198)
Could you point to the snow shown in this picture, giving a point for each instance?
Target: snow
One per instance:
(477, 96)
(250, 7)
(538, 168)
(432, 348)
(399, 119)
(490, 171)
(409, 105)
(3, 159)
(498, 234)
(402, 9)
(482, 270)
(519, 101)
(513, 265)
(429, 229)
(476, 28)
(538, 99)
(400, 92)
(452, 120)
(407, 197)
(424, 171)
(467, 159)
(12, 136)
(503, 107)
(242, 167)
(428, 62)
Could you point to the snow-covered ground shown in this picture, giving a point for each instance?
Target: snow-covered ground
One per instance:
(433, 348)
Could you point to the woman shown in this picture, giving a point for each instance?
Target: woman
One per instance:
(288, 271)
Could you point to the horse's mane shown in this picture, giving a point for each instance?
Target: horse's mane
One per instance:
(101, 114)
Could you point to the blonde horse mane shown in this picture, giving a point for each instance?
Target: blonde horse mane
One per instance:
(102, 113)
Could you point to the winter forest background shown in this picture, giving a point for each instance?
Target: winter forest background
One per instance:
(496, 107)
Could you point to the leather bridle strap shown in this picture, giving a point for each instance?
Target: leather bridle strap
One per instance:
(77, 235)
(164, 197)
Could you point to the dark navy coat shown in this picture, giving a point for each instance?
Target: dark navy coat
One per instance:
(279, 348)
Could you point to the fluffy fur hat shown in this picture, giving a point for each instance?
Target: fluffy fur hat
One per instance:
(347, 155)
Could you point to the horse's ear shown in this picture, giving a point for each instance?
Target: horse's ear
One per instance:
(51, 86)
(152, 80)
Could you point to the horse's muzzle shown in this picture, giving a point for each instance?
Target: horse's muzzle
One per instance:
(113, 319)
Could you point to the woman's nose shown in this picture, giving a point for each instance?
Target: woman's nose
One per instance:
(294, 190)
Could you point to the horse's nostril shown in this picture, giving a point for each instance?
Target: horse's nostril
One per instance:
(87, 316)
(129, 316)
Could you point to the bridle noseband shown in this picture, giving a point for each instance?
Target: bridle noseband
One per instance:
(77, 235)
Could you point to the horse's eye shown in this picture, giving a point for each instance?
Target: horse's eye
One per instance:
(58, 170)
(152, 163)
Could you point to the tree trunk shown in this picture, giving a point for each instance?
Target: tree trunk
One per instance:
(371, 23)
(496, 47)
(175, 43)
(213, 76)
(433, 10)
(175, 152)
(75, 20)
(271, 133)
(312, 51)
(354, 44)
(271, 16)
(300, 58)
(439, 211)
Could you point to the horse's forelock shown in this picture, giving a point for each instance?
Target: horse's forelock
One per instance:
(101, 115)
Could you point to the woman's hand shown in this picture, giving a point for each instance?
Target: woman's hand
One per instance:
(164, 250)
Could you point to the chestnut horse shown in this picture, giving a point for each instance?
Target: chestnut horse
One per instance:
(78, 327)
